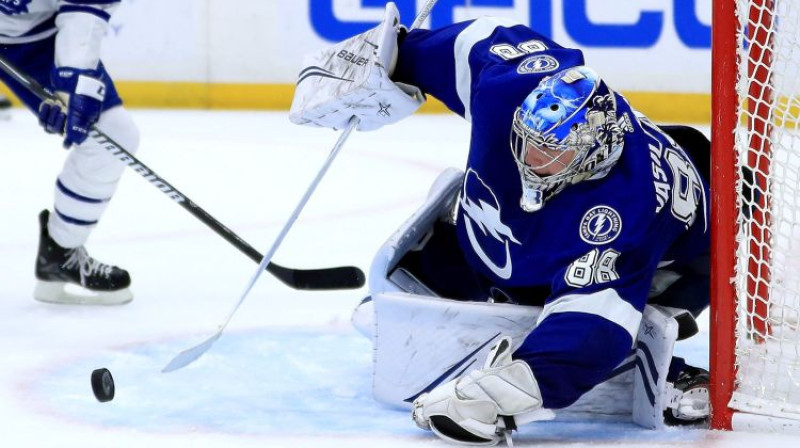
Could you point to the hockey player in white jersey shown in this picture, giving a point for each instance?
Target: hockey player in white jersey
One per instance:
(572, 204)
(57, 42)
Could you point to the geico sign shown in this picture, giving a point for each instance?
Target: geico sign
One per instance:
(642, 33)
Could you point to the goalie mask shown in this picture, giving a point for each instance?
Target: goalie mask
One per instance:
(564, 132)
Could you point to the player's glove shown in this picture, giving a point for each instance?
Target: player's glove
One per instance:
(83, 92)
(480, 408)
(352, 79)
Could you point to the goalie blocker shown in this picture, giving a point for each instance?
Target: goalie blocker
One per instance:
(411, 370)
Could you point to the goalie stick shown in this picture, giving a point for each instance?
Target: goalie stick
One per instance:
(344, 277)
(191, 354)
(188, 356)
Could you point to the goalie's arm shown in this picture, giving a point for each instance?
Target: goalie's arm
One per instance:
(447, 62)
(589, 323)
(577, 343)
(579, 340)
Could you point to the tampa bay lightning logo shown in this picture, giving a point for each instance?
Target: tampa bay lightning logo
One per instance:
(600, 225)
(11, 7)
(488, 236)
(537, 64)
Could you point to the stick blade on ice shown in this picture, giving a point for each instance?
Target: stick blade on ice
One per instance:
(190, 355)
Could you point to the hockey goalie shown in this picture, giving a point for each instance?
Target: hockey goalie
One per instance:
(560, 265)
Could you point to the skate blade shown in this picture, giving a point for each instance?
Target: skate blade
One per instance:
(60, 292)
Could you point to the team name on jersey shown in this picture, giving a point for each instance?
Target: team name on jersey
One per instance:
(660, 179)
(684, 192)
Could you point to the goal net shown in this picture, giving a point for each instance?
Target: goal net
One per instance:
(755, 325)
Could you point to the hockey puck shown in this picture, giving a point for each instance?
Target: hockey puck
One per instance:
(103, 385)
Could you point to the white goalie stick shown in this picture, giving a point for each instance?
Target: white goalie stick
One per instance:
(345, 277)
(190, 355)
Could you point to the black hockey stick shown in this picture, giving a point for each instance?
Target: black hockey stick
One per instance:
(344, 277)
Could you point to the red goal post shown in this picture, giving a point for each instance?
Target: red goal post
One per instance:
(755, 184)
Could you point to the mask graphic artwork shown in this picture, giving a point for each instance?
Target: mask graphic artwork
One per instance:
(565, 131)
(487, 234)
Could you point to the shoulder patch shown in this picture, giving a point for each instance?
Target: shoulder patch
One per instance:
(537, 64)
(13, 7)
(600, 225)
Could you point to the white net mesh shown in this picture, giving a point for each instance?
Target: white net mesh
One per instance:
(768, 252)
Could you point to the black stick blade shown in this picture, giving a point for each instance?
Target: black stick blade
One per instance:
(343, 277)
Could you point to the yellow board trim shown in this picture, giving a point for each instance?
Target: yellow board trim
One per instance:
(659, 106)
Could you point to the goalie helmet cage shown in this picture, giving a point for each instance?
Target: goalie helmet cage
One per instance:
(755, 341)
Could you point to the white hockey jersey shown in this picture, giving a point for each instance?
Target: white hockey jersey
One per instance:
(81, 25)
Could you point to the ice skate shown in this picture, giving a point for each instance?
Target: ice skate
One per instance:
(71, 276)
(690, 402)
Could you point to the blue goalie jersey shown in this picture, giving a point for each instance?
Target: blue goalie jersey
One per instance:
(596, 245)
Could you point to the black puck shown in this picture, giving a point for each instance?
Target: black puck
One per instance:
(103, 385)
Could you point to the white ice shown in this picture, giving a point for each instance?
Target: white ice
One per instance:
(289, 370)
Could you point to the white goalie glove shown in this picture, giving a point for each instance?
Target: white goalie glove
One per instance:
(486, 405)
(352, 79)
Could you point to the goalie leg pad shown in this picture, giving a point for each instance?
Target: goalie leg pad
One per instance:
(421, 342)
(412, 235)
(653, 394)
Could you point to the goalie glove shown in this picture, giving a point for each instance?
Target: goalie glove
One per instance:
(352, 79)
(482, 407)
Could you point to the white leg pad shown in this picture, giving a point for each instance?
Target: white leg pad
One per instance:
(449, 338)
(414, 232)
(653, 355)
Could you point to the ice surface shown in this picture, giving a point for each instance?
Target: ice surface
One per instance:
(289, 371)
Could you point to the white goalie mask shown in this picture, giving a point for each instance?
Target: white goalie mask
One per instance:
(564, 132)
